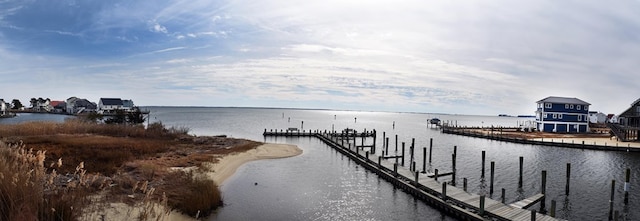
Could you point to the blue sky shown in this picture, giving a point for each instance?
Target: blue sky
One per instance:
(465, 57)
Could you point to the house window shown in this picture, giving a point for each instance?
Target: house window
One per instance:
(546, 116)
(555, 116)
(579, 117)
(566, 106)
(578, 107)
(571, 106)
(560, 116)
(547, 105)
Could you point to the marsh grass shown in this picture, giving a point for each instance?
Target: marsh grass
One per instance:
(129, 164)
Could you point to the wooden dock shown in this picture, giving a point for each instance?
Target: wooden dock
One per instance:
(453, 200)
(470, 132)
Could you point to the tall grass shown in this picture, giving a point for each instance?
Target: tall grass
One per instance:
(77, 126)
(28, 191)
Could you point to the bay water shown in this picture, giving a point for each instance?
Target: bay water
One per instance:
(321, 184)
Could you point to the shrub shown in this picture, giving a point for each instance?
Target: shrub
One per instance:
(197, 196)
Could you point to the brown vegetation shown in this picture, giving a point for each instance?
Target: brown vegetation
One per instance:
(129, 163)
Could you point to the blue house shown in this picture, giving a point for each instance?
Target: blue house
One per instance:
(562, 115)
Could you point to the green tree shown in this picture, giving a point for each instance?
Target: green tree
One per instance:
(16, 104)
(135, 117)
(120, 117)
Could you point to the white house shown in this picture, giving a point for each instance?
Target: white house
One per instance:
(109, 105)
(3, 107)
(597, 117)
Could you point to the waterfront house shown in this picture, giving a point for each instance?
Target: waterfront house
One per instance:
(56, 107)
(597, 117)
(78, 105)
(631, 116)
(109, 105)
(562, 115)
(3, 107)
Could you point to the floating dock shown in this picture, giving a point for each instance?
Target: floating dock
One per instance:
(451, 199)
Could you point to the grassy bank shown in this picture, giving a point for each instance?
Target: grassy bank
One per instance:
(54, 171)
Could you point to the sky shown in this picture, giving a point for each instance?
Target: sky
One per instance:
(460, 57)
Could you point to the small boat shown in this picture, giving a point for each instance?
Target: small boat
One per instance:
(435, 121)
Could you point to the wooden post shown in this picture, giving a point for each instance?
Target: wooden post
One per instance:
(375, 137)
(379, 161)
(464, 184)
(503, 195)
(386, 147)
(544, 189)
(435, 174)
(455, 150)
(626, 186)
(444, 191)
(615, 215)
(424, 160)
(481, 205)
(402, 153)
(430, 149)
(613, 190)
(416, 178)
(412, 148)
(520, 174)
(366, 154)
(493, 165)
(552, 213)
(395, 169)
(483, 160)
(396, 144)
(413, 164)
(566, 188)
(453, 165)
(533, 215)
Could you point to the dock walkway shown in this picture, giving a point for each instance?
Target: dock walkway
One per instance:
(451, 199)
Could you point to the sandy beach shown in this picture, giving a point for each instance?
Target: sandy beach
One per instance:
(227, 165)
(220, 171)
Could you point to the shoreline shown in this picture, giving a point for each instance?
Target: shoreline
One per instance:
(226, 166)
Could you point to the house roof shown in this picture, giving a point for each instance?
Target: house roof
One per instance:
(631, 111)
(57, 103)
(111, 101)
(563, 100)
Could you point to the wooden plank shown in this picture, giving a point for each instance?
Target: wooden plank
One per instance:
(528, 202)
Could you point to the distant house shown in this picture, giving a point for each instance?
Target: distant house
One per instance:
(597, 117)
(78, 105)
(612, 118)
(3, 107)
(631, 116)
(562, 115)
(56, 106)
(108, 105)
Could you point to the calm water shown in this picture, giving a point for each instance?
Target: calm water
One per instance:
(26, 117)
(321, 184)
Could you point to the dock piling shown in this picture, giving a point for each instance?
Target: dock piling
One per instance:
(626, 186)
(430, 149)
(483, 160)
(464, 184)
(543, 189)
(416, 179)
(481, 212)
(566, 188)
(444, 191)
(453, 165)
(493, 165)
(520, 173)
(613, 190)
(424, 160)
(435, 174)
(552, 211)
(402, 154)
(533, 215)
(502, 197)
(386, 147)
